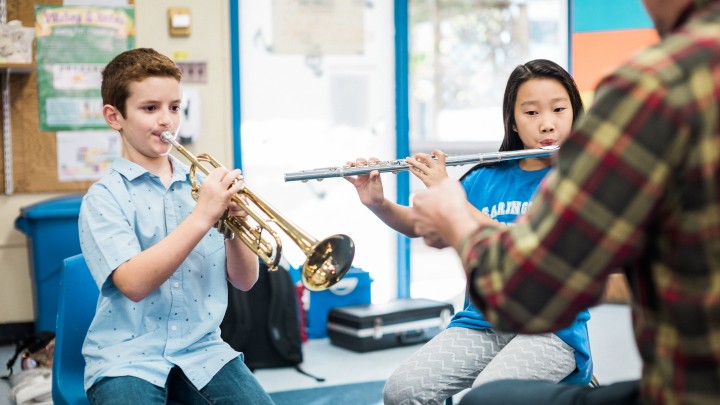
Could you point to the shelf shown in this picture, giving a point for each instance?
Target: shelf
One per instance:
(8, 69)
(18, 67)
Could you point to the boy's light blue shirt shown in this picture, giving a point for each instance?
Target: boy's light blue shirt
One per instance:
(127, 211)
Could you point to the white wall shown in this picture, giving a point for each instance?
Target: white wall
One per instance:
(209, 42)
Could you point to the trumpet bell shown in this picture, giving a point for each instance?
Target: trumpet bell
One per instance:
(328, 262)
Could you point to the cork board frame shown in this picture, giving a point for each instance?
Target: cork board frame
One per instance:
(34, 152)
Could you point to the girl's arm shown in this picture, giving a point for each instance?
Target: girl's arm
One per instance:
(370, 191)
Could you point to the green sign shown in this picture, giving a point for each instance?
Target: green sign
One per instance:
(73, 45)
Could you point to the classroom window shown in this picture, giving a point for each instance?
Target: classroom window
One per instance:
(461, 54)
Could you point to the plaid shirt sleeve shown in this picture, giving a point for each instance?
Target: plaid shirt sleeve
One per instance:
(630, 186)
(637, 187)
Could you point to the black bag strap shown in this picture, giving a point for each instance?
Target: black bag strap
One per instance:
(32, 344)
(12, 360)
(301, 371)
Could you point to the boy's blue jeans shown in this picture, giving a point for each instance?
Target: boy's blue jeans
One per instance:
(233, 384)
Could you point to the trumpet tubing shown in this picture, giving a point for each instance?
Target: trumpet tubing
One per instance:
(327, 261)
(394, 166)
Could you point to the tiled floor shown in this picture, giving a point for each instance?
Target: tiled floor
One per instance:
(336, 365)
(615, 357)
(614, 354)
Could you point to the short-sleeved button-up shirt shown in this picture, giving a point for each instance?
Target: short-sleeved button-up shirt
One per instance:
(637, 186)
(126, 212)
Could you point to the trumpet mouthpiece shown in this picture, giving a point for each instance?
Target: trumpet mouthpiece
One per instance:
(167, 136)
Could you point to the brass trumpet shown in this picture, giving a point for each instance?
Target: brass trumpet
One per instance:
(327, 261)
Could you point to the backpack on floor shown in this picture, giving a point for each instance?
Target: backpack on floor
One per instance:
(264, 323)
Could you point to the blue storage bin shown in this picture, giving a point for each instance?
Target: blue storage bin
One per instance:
(51, 228)
(353, 289)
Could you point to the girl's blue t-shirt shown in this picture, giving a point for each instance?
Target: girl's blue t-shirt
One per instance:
(504, 191)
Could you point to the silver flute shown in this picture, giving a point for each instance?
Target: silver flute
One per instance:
(394, 166)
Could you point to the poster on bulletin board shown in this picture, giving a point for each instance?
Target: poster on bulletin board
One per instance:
(86, 155)
(73, 45)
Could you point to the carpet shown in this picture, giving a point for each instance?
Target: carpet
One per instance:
(365, 393)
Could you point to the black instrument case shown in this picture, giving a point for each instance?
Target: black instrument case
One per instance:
(368, 327)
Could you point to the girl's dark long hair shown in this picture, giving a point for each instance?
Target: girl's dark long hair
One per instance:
(535, 69)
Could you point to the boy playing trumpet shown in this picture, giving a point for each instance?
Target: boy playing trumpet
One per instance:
(160, 267)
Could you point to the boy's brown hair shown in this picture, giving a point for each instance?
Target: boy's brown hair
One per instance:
(133, 66)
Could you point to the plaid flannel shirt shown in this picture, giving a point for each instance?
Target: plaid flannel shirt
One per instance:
(637, 187)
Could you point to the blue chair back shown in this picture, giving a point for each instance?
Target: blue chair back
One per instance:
(76, 307)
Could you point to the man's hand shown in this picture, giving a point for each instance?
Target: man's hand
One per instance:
(434, 240)
(617, 290)
(441, 214)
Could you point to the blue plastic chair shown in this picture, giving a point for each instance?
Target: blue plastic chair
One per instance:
(76, 307)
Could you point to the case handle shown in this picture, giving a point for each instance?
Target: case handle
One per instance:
(411, 337)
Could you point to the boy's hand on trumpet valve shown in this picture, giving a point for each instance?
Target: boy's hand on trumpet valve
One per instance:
(216, 192)
(235, 210)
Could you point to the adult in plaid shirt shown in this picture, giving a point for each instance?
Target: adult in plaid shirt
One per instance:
(637, 187)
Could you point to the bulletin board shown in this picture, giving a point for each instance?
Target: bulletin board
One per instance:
(34, 152)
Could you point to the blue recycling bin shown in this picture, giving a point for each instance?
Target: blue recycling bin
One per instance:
(51, 228)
